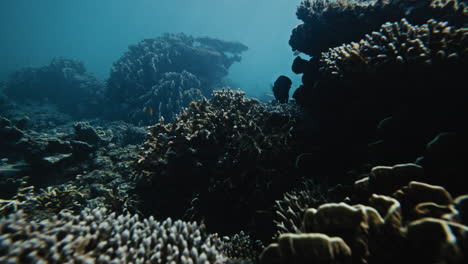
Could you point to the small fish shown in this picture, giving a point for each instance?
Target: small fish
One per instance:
(194, 103)
(148, 110)
(93, 102)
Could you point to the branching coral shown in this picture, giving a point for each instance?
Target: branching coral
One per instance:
(45, 202)
(331, 23)
(399, 47)
(97, 236)
(164, 74)
(223, 149)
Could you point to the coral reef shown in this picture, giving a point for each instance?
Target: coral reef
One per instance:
(241, 248)
(64, 83)
(230, 152)
(378, 100)
(330, 23)
(97, 236)
(318, 174)
(101, 152)
(164, 74)
(46, 202)
(383, 228)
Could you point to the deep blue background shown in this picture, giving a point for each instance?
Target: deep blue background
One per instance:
(97, 32)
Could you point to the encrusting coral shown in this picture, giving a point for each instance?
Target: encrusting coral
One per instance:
(98, 236)
(412, 222)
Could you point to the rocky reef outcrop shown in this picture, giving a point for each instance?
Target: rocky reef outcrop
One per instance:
(159, 76)
(374, 93)
(64, 83)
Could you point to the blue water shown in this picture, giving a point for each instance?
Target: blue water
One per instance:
(99, 32)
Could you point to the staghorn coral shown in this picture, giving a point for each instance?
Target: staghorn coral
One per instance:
(45, 202)
(97, 236)
(165, 73)
(330, 23)
(86, 133)
(221, 151)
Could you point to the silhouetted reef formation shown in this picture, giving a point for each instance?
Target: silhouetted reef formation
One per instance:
(231, 153)
(391, 79)
(64, 83)
(166, 74)
(382, 88)
(366, 166)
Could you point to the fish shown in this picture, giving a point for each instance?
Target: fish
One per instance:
(148, 110)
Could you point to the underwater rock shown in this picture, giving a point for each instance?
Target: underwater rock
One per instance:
(86, 133)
